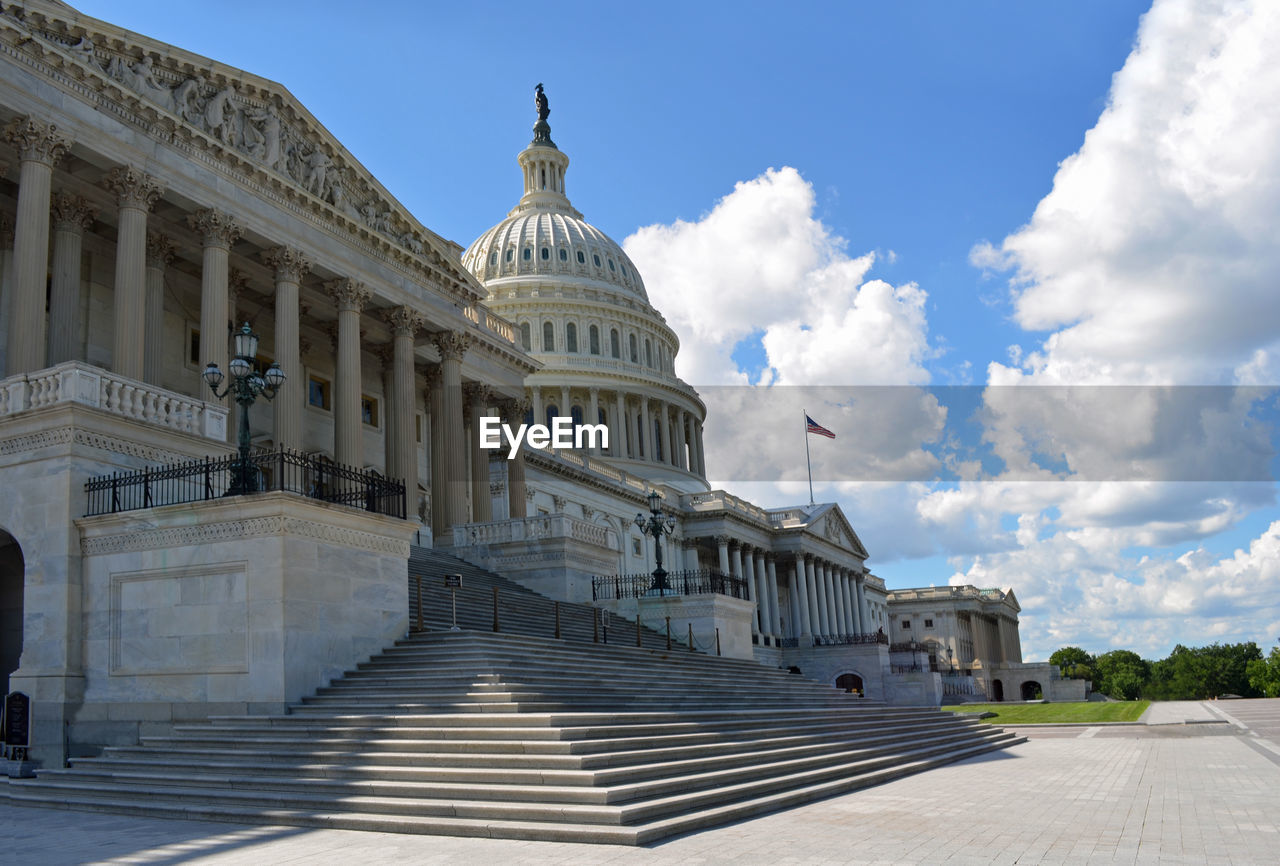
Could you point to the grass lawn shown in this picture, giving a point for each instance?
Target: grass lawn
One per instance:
(1087, 711)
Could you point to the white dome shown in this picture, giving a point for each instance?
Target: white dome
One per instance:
(541, 239)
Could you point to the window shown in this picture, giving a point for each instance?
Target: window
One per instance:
(928, 623)
(571, 337)
(631, 344)
(548, 337)
(576, 414)
(648, 352)
(614, 348)
(637, 548)
(595, 258)
(318, 392)
(526, 339)
(593, 339)
(417, 428)
(511, 254)
(552, 411)
(611, 267)
(369, 410)
(193, 348)
(493, 259)
(657, 439)
(582, 259)
(564, 254)
(906, 623)
(640, 435)
(546, 254)
(527, 254)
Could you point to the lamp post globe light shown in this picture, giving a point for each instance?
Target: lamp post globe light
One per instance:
(657, 525)
(246, 385)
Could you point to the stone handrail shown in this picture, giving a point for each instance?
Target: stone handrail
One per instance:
(86, 385)
(544, 526)
(719, 500)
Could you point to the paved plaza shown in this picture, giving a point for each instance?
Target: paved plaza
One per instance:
(1203, 792)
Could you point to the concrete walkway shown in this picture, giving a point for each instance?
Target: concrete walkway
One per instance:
(1140, 798)
(1178, 713)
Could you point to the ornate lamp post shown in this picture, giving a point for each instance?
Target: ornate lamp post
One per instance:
(657, 525)
(246, 385)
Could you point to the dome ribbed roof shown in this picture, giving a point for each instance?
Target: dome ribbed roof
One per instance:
(536, 240)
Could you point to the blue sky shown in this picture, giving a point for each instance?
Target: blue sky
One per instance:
(949, 180)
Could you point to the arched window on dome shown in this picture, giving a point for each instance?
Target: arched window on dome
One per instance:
(546, 254)
(582, 257)
(648, 353)
(615, 348)
(511, 254)
(527, 254)
(493, 258)
(564, 254)
(548, 337)
(576, 414)
(640, 437)
(595, 258)
(611, 267)
(593, 340)
(657, 439)
(631, 344)
(571, 337)
(526, 338)
(552, 412)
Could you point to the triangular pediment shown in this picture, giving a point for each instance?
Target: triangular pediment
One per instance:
(826, 521)
(255, 125)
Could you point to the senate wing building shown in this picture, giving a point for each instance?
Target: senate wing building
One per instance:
(242, 392)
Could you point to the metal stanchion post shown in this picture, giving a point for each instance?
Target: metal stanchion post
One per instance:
(717, 640)
(495, 609)
(637, 624)
(668, 634)
(690, 637)
(557, 620)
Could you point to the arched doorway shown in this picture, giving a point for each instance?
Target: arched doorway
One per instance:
(849, 683)
(1031, 691)
(12, 578)
(997, 691)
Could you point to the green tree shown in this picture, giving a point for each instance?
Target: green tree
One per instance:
(1120, 674)
(1075, 662)
(1264, 674)
(1201, 673)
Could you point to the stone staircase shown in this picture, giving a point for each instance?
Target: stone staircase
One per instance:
(523, 736)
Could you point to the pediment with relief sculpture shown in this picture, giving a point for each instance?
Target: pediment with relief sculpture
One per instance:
(257, 124)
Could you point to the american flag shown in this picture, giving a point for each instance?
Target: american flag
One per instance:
(811, 426)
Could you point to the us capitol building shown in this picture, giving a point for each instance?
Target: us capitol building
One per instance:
(152, 202)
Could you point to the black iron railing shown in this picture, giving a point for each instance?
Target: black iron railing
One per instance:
(700, 582)
(871, 637)
(283, 470)
(908, 646)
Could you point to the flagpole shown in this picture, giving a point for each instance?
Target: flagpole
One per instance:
(807, 464)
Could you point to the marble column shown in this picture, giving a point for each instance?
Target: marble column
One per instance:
(619, 431)
(682, 439)
(593, 396)
(452, 346)
(218, 233)
(800, 589)
(386, 355)
(664, 431)
(403, 461)
(746, 571)
(762, 593)
(566, 403)
(160, 250)
(633, 437)
(6, 280)
(851, 595)
(691, 554)
(862, 597)
(477, 397)
(697, 440)
(439, 480)
(817, 598)
(350, 297)
(775, 618)
(136, 192)
(290, 265)
(40, 146)
(71, 216)
(841, 608)
(722, 552)
(647, 444)
(513, 412)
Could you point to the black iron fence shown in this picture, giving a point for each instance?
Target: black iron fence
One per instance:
(871, 637)
(198, 480)
(908, 646)
(699, 582)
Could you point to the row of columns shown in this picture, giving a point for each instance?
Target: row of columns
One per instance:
(828, 600)
(632, 437)
(141, 259)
